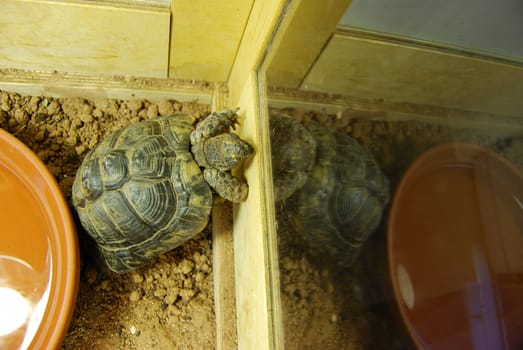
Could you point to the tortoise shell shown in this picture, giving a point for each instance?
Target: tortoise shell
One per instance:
(140, 192)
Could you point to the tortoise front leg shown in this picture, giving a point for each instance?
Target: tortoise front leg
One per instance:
(226, 185)
(215, 124)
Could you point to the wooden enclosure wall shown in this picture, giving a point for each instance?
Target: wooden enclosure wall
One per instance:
(84, 37)
(188, 39)
(205, 35)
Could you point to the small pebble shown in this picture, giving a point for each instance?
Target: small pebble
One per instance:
(43, 155)
(80, 150)
(199, 276)
(134, 296)
(160, 292)
(152, 111)
(53, 108)
(172, 296)
(5, 105)
(91, 275)
(40, 136)
(165, 108)
(135, 105)
(187, 294)
(71, 140)
(205, 267)
(86, 118)
(186, 266)
(33, 103)
(137, 278)
(21, 116)
(105, 285)
(97, 113)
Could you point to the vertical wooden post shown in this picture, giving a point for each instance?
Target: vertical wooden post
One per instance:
(223, 258)
(256, 268)
(256, 271)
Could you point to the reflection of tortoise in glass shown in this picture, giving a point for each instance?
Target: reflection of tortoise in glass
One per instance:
(141, 191)
(342, 198)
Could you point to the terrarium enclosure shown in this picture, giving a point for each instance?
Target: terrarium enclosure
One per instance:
(341, 100)
(407, 82)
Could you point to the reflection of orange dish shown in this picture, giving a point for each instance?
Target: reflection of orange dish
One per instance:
(39, 256)
(456, 249)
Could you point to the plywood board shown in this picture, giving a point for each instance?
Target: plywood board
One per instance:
(397, 71)
(223, 277)
(99, 87)
(311, 26)
(205, 37)
(255, 250)
(84, 36)
(223, 258)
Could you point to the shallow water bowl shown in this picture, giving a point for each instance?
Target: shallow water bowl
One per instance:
(456, 249)
(38, 252)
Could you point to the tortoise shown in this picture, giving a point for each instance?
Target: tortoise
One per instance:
(343, 198)
(148, 188)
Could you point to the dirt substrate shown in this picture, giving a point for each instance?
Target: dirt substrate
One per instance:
(167, 304)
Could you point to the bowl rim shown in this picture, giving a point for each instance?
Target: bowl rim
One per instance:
(64, 249)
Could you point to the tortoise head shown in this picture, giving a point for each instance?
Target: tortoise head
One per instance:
(226, 151)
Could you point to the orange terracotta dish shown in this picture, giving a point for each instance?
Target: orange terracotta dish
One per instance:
(39, 256)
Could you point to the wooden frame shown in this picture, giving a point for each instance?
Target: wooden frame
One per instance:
(306, 33)
(255, 251)
(223, 258)
(99, 87)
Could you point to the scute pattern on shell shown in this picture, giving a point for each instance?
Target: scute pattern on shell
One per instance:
(140, 193)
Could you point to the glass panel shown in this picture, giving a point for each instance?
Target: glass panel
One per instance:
(398, 187)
